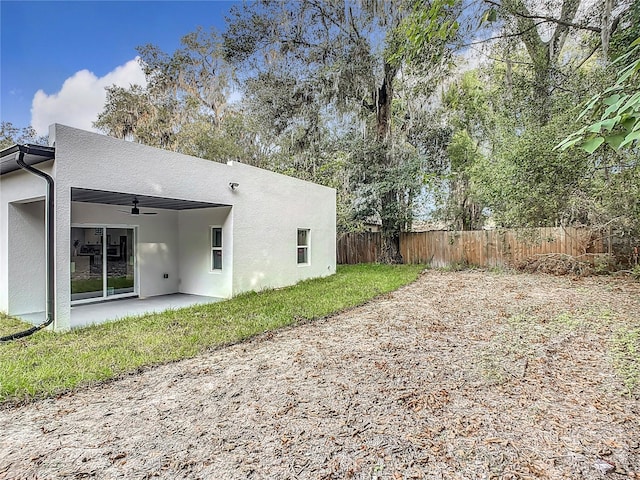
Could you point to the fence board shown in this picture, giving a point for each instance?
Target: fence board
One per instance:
(359, 248)
(486, 248)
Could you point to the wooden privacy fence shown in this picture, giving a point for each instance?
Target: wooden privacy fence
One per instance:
(359, 248)
(485, 248)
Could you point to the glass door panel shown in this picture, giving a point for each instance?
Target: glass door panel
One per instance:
(87, 273)
(120, 261)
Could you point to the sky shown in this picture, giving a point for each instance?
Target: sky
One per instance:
(56, 57)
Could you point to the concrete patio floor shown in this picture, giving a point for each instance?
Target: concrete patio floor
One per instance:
(101, 312)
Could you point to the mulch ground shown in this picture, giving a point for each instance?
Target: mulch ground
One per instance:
(459, 375)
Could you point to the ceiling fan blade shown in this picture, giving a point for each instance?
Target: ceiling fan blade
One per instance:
(135, 210)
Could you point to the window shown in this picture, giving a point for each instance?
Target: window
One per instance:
(216, 248)
(303, 247)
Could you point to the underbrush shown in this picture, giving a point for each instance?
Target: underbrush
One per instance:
(579, 266)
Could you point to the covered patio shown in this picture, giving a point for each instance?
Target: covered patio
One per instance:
(93, 218)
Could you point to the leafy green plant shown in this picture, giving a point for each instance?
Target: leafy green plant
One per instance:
(604, 265)
(619, 122)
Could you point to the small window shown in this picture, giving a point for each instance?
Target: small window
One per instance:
(216, 248)
(303, 247)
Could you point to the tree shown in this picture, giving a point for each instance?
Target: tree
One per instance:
(11, 135)
(616, 186)
(545, 36)
(196, 76)
(466, 107)
(344, 59)
(134, 114)
(519, 176)
(185, 104)
(618, 107)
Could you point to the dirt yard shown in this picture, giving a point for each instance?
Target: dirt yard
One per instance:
(459, 375)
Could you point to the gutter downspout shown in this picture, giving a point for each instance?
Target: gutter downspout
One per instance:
(50, 254)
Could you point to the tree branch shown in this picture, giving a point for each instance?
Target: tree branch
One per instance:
(507, 35)
(614, 27)
(496, 59)
(547, 19)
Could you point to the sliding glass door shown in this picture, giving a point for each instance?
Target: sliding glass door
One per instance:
(87, 269)
(120, 261)
(102, 262)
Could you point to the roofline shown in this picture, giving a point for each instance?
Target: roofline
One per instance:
(33, 154)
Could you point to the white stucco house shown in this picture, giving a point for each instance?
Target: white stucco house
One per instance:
(92, 218)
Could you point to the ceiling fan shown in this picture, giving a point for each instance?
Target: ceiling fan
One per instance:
(135, 210)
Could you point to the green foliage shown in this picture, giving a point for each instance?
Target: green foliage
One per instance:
(465, 105)
(338, 93)
(462, 151)
(184, 106)
(627, 31)
(196, 75)
(47, 363)
(462, 208)
(334, 67)
(503, 160)
(468, 104)
(233, 140)
(526, 183)
(11, 135)
(386, 189)
(618, 108)
(422, 35)
(133, 114)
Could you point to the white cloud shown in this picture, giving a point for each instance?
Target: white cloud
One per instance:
(81, 97)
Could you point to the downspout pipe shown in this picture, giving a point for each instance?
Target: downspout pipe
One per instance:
(50, 253)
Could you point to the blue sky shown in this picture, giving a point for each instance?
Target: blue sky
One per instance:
(57, 56)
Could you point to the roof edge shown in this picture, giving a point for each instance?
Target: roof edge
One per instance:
(33, 154)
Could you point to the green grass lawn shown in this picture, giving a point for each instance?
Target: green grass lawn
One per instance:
(47, 363)
(95, 284)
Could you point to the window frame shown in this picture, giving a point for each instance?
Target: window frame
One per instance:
(213, 248)
(307, 247)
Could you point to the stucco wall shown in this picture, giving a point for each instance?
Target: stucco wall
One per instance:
(19, 186)
(27, 264)
(267, 210)
(196, 276)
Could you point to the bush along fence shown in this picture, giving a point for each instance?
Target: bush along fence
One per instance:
(490, 248)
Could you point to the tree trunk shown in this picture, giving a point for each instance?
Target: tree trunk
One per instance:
(389, 199)
(542, 90)
(544, 54)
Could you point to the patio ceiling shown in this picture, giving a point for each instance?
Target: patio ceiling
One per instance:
(145, 201)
